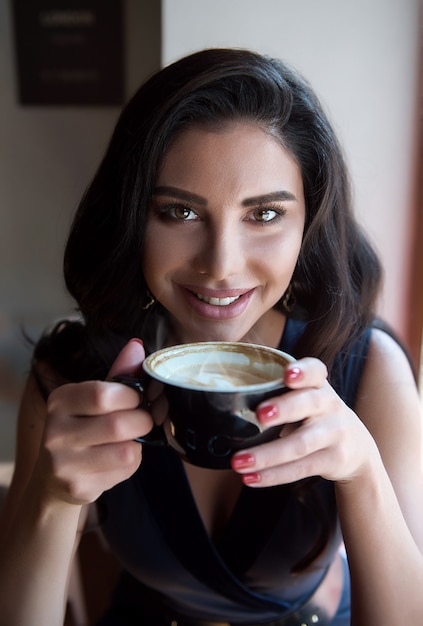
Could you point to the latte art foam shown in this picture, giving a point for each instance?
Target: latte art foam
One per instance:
(211, 391)
(219, 366)
(215, 376)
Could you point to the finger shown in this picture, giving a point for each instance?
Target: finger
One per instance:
(105, 458)
(116, 427)
(285, 474)
(91, 398)
(96, 397)
(302, 442)
(297, 405)
(129, 360)
(307, 372)
(104, 467)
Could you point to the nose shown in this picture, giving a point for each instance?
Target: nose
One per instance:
(221, 253)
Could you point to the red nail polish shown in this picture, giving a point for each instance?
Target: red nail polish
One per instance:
(136, 340)
(251, 479)
(267, 413)
(243, 460)
(293, 374)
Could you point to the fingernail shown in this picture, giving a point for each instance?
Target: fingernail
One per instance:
(251, 479)
(136, 340)
(243, 460)
(267, 413)
(293, 374)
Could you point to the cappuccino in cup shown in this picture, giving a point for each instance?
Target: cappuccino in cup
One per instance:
(218, 365)
(212, 390)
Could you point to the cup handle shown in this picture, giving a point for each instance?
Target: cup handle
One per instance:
(157, 435)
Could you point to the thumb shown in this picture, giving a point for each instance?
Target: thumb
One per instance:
(129, 360)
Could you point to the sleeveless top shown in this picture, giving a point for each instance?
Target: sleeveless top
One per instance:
(152, 524)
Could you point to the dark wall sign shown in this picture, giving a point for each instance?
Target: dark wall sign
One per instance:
(69, 52)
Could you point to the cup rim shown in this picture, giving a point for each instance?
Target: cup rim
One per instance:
(196, 346)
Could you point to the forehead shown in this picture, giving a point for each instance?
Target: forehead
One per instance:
(241, 153)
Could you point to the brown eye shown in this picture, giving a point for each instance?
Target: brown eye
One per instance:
(265, 215)
(182, 213)
(179, 212)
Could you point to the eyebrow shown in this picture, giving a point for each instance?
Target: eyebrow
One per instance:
(179, 193)
(273, 196)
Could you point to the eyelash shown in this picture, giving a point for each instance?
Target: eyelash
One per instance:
(278, 210)
(165, 213)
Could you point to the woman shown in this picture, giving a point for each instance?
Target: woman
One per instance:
(221, 212)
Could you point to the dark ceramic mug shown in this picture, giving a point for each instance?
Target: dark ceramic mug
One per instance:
(212, 390)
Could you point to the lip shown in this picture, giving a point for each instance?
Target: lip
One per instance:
(216, 312)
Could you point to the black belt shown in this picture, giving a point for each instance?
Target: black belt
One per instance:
(307, 615)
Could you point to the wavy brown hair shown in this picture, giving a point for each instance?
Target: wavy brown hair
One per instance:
(337, 274)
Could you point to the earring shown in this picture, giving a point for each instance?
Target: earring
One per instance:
(150, 302)
(289, 300)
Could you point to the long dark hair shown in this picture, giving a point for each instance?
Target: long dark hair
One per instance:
(337, 275)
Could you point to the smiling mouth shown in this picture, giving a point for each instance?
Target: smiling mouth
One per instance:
(217, 301)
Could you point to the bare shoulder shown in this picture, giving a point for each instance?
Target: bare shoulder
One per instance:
(390, 406)
(385, 349)
(388, 401)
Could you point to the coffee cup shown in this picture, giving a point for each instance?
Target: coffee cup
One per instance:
(212, 390)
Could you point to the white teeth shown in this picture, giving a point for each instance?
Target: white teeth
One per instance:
(217, 301)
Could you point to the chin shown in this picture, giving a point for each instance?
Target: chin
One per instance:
(212, 334)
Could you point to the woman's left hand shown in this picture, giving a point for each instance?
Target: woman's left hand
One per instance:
(320, 435)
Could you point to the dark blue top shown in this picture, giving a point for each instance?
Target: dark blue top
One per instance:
(152, 523)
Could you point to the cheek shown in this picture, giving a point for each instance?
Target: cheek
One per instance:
(151, 253)
(162, 253)
(157, 245)
(279, 254)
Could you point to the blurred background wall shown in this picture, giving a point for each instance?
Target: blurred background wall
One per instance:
(48, 155)
(361, 57)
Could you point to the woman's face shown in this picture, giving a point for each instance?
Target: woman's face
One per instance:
(224, 232)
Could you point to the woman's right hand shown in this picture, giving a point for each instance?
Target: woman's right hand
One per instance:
(88, 443)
